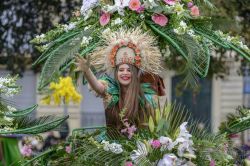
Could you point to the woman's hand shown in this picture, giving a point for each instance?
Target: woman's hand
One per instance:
(82, 63)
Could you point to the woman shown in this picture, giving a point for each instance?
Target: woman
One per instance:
(125, 97)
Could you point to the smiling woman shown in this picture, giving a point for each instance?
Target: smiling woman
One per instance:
(126, 98)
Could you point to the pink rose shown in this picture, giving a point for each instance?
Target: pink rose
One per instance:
(68, 149)
(134, 5)
(160, 19)
(156, 144)
(195, 11)
(128, 163)
(104, 19)
(170, 2)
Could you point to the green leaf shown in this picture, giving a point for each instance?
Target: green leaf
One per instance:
(63, 53)
(151, 124)
(42, 124)
(22, 112)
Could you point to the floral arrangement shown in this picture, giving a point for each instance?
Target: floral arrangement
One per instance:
(63, 90)
(168, 140)
(178, 24)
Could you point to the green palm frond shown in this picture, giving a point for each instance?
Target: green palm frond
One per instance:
(23, 112)
(188, 47)
(26, 125)
(59, 56)
(237, 122)
(55, 44)
(172, 116)
(215, 38)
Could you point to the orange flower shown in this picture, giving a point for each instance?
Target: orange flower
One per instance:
(138, 63)
(137, 51)
(137, 58)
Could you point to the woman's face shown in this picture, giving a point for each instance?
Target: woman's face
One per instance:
(124, 75)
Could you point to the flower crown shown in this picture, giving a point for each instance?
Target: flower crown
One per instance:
(125, 52)
(130, 46)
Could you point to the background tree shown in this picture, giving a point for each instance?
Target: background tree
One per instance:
(21, 21)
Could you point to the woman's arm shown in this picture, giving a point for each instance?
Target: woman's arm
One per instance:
(83, 65)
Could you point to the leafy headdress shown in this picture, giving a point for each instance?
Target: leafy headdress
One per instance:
(130, 46)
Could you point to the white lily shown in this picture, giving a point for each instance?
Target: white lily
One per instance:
(140, 152)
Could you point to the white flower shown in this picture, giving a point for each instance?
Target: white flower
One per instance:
(88, 14)
(185, 146)
(40, 36)
(166, 143)
(122, 4)
(178, 8)
(140, 152)
(183, 131)
(191, 32)
(167, 160)
(183, 24)
(69, 27)
(86, 28)
(142, 16)
(8, 119)
(86, 40)
(149, 4)
(115, 148)
(88, 5)
(184, 141)
(11, 109)
(116, 22)
(106, 31)
(228, 38)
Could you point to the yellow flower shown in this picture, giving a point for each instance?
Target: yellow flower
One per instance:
(64, 90)
(46, 100)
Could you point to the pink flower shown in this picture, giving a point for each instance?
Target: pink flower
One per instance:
(190, 4)
(160, 19)
(26, 150)
(140, 9)
(212, 163)
(134, 5)
(156, 144)
(195, 11)
(128, 163)
(68, 149)
(131, 130)
(170, 2)
(104, 19)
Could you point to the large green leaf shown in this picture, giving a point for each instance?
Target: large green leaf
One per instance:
(187, 46)
(55, 44)
(61, 55)
(23, 112)
(28, 126)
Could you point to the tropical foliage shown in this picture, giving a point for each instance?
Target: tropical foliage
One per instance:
(177, 24)
(171, 138)
(14, 121)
